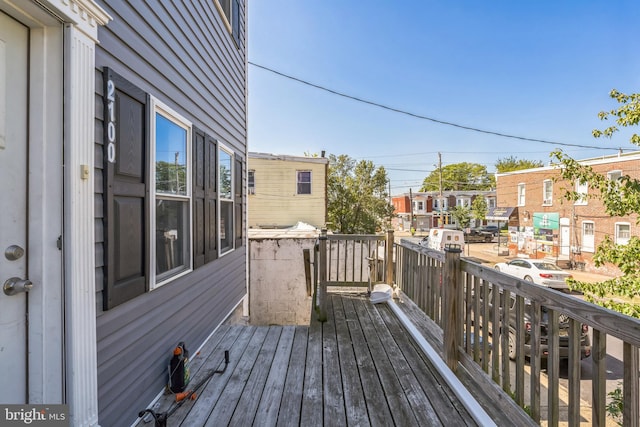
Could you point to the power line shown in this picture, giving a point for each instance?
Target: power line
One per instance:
(419, 116)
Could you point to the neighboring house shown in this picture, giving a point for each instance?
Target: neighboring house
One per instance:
(548, 225)
(122, 166)
(284, 190)
(430, 210)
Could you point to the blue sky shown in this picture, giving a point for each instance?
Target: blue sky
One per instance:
(536, 69)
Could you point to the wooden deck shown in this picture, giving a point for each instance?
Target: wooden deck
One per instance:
(358, 368)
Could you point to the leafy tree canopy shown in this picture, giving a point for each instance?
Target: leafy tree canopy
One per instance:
(461, 215)
(358, 201)
(479, 208)
(512, 163)
(459, 177)
(620, 197)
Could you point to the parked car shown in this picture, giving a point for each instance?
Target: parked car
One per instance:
(536, 271)
(476, 235)
(493, 229)
(563, 332)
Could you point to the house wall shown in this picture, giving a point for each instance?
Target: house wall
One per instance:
(183, 54)
(277, 286)
(275, 202)
(572, 214)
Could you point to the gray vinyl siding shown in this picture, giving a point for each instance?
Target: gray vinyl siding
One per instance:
(182, 54)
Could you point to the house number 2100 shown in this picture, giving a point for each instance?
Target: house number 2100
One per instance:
(111, 121)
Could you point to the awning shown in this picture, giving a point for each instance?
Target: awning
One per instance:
(500, 214)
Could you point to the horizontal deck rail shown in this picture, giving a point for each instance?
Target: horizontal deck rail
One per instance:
(482, 312)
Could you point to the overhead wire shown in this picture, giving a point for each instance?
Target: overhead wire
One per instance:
(422, 117)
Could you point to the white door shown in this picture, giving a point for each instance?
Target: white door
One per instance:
(565, 240)
(13, 209)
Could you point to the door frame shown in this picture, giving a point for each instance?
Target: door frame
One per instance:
(61, 263)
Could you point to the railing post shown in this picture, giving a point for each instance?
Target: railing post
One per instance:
(389, 255)
(451, 307)
(322, 288)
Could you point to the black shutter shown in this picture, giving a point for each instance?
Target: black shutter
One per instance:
(238, 204)
(235, 22)
(204, 198)
(125, 165)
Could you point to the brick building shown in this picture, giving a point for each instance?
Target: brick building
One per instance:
(430, 210)
(548, 225)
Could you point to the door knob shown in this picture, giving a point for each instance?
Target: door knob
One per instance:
(16, 285)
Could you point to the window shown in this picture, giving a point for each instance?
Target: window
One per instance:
(613, 175)
(588, 236)
(172, 200)
(303, 182)
(170, 220)
(463, 201)
(230, 11)
(547, 192)
(491, 202)
(623, 233)
(251, 182)
(440, 204)
(582, 189)
(419, 205)
(225, 184)
(521, 195)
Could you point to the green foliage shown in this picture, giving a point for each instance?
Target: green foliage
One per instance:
(461, 215)
(511, 163)
(479, 208)
(615, 405)
(357, 198)
(460, 176)
(620, 197)
(627, 114)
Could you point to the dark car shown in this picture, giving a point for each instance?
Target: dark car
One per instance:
(493, 229)
(475, 235)
(563, 332)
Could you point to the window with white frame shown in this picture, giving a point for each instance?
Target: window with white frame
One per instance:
(582, 188)
(521, 194)
(170, 221)
(225, 197)
(588, 236)
(547, 192)
(303, 182)
(623, 233)
(418, 206)
(440, 204)
(614, 174)
(491, 202)
(463, 201)
(251, 182)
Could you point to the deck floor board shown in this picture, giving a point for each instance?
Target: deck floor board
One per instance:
(359, 368)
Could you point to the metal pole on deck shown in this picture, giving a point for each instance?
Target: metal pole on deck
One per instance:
(451, 325)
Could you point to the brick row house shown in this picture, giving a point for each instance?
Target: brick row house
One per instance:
(546, 225)
(430, 210)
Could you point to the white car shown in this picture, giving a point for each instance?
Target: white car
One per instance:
(537, 271)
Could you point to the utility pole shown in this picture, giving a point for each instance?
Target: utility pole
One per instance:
(440, 202)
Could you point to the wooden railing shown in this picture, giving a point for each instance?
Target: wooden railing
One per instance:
(482, 312)
(350, 260)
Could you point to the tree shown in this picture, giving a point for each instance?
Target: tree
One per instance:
(358, 201)
(511, 163)
(459, 176)
(461, 215)
(479, 208)
(620, 197)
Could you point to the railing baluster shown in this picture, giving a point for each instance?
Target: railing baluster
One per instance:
(598, 381)
(553, 368)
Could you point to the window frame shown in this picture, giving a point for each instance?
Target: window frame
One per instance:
(298, 182)
(251, 182)
(223, 250)
(547, 192)
(621, 240)
(591, 246)
(582, 190)
(157, 280)
(522, 194)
